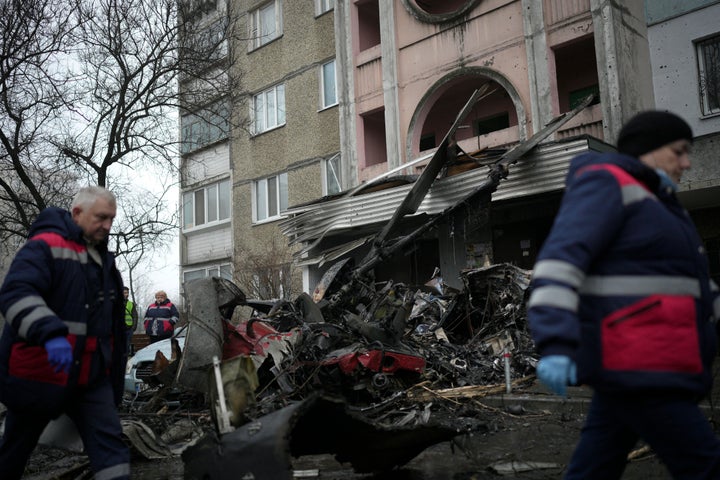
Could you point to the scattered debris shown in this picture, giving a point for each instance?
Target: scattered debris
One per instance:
(379, 364)
(263, 448)
(516, 466)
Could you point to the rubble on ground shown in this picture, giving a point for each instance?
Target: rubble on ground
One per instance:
(400, 358)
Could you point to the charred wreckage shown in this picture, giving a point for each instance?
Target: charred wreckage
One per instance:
(371, 372)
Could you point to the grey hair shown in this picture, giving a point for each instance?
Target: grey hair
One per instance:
(86, 196)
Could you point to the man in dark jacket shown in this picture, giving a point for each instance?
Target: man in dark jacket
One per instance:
(160, 318)
(63, 348)
(622, 301)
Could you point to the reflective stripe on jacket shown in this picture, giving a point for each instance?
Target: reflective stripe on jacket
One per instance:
(622, 282)
(160, 319)
(128, 313)
(52, 290)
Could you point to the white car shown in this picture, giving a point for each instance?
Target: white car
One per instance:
(139, 366)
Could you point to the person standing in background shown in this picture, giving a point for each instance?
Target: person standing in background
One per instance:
(160, 318)
(131, 319)
(63, 345)
(622, 301)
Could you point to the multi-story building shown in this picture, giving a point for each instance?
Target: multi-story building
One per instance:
(276, 145)
(342, 93)
(206, 176)
(406, 68)
(684, 40)
(291, 151)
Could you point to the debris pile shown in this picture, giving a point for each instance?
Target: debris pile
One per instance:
(383, 355)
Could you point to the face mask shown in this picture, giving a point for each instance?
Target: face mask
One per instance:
(665, 180)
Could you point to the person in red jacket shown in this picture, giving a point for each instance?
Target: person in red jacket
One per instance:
(160, 318)
(622, 300)
(63, 347)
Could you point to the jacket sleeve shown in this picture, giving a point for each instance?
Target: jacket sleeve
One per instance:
(22, 297)
(175, 315)
(591, 215)
(715, 292)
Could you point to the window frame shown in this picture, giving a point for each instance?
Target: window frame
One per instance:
(323, 104)
(266, 127)
(216, 268)
(327, 164)
(324, 6)
(204, 127)
(706, 107)
(262, 187)
(257, 39)
(191, 207)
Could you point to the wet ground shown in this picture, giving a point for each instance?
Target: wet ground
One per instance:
(524, 437)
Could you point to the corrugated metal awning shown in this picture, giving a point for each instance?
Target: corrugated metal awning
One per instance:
(540, 171)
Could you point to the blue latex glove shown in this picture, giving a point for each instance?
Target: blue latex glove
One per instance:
(59, 353)
(556, 372)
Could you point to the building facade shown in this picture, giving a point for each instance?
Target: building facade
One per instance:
(406, 68)
(684, 40)
(347, 101)
(206, 247)
(290, 152)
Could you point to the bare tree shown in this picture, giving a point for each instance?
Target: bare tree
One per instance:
(267, 272)
(89, 94)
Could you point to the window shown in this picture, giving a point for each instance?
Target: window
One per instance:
(491, 124)
(328, 92)
(331, 175)
(708, 52)
(270, 197)
(322, 6)
(204, 127)
(269, 109)
(427, 142)
(576, 97)
(207, 205)
(266, 23)
(223, 271)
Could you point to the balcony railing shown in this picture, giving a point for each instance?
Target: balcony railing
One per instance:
(369, 72)
(558, 10)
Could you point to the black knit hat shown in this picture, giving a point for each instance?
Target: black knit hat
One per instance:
(650, 130)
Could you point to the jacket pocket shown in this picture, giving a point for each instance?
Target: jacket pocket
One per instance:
(30, 362)
(658, 333)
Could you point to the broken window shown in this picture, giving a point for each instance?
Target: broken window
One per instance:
(368, 24)
(708, 54)
(491, 124)
(427, 142)
(576, 72)
(331, 179)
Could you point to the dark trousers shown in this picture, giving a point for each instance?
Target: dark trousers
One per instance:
(673, 426)
(128, 341)
(95, 416)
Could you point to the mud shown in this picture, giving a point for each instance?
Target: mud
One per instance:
(511, 434)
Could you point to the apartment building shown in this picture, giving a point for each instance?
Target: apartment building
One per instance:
(347, 100)
(277, 145)
(684, 40)
(206, 176)
(290, 153)
(406, 68)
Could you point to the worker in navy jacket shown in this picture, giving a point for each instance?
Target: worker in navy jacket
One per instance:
(160, 318)
(63, 345)
(622, 301)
